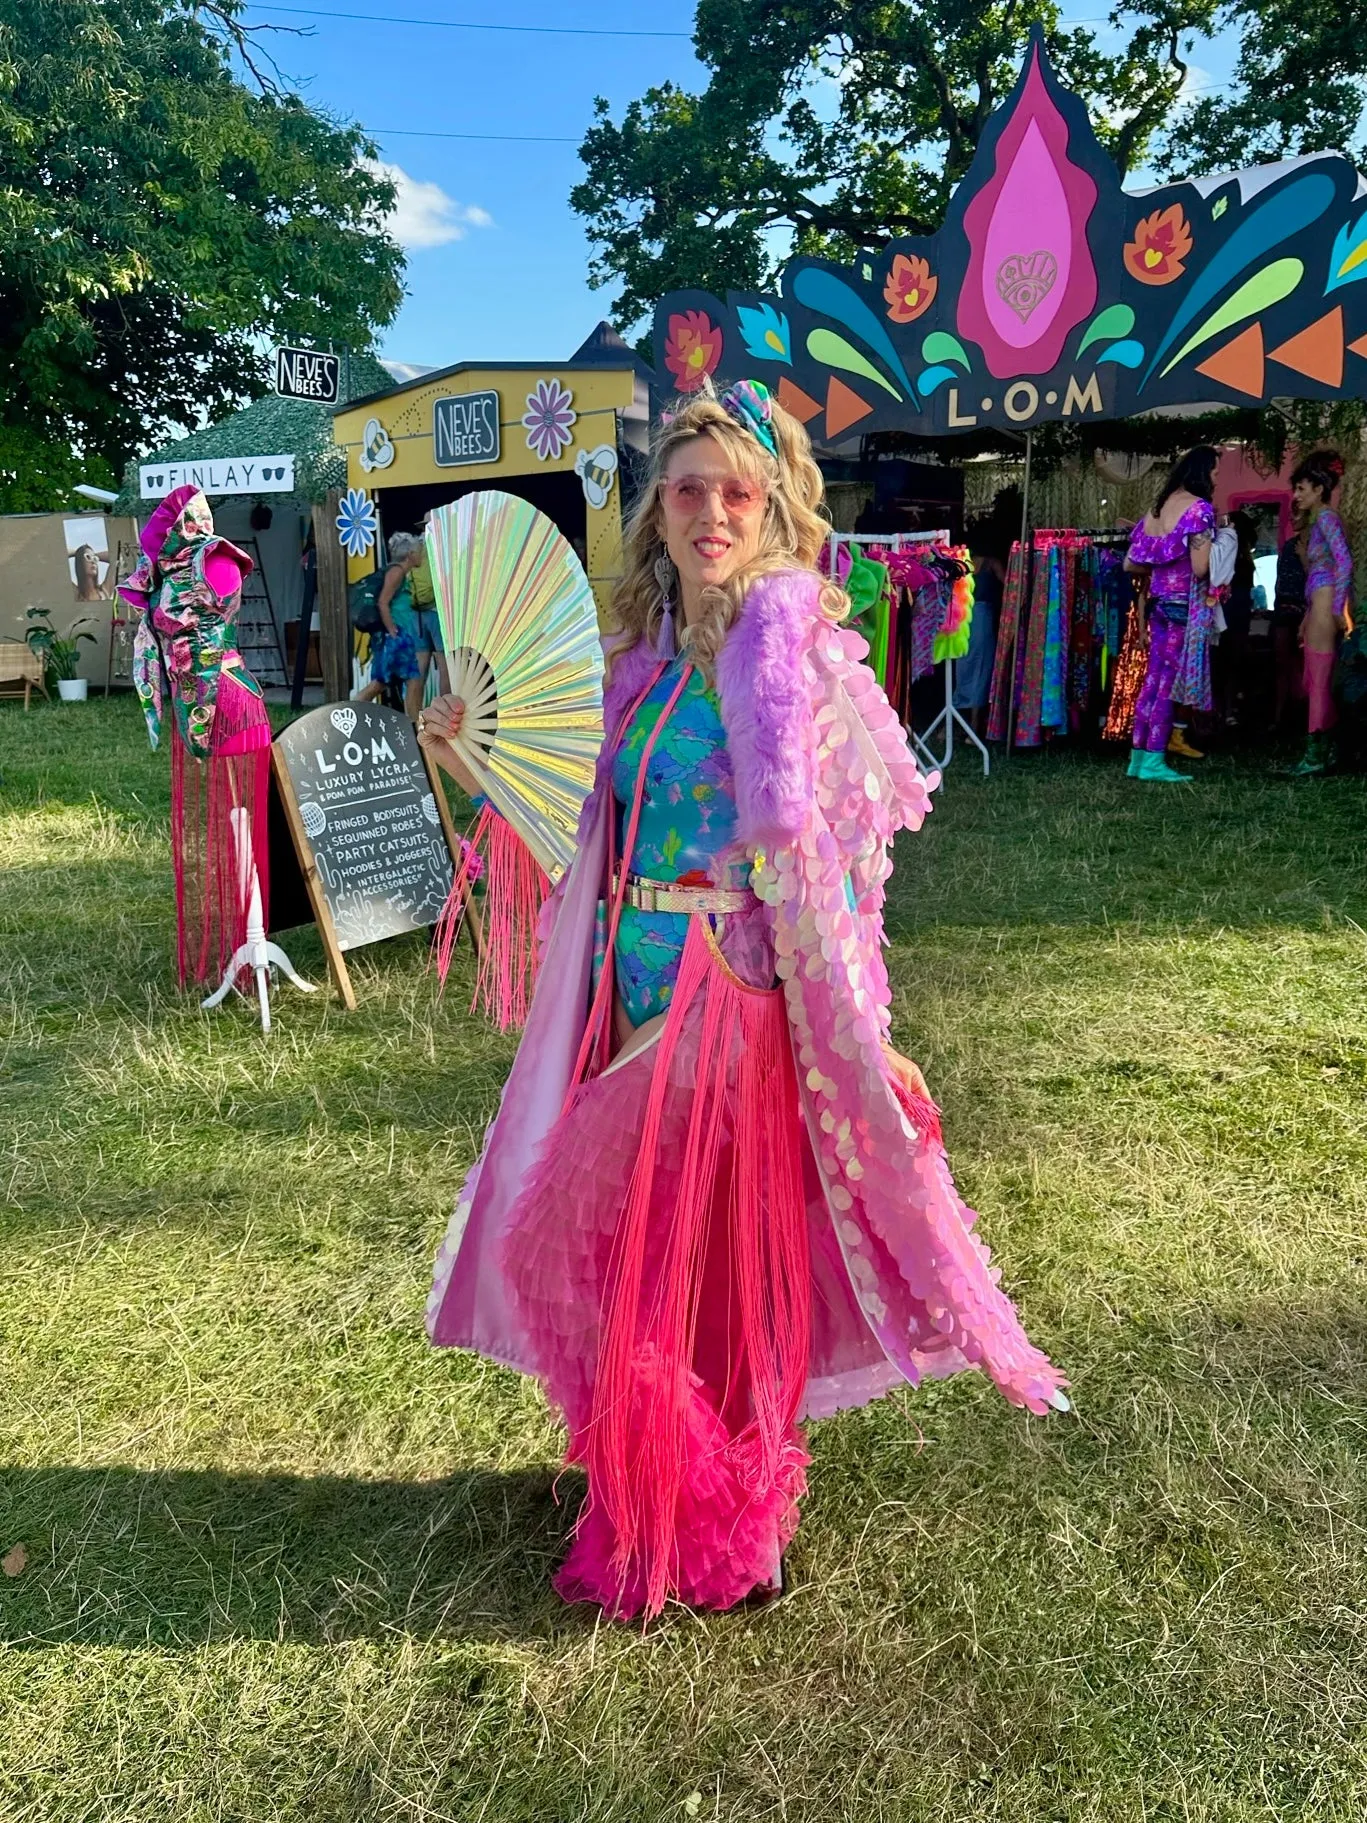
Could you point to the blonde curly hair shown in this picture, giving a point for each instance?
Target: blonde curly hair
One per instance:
(792, 535)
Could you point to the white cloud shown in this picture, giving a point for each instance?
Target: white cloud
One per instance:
(423, 214)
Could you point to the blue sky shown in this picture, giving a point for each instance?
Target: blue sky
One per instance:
(498, 262)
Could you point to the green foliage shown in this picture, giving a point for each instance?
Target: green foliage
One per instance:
(61, 655)
(159, 219)
(38, 474)
(1297, 87)
(831, 125)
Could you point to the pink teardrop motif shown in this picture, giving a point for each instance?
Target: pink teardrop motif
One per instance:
(1030, 278)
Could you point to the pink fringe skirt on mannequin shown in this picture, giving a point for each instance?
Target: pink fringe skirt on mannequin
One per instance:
(211, 904)
(660, 1261)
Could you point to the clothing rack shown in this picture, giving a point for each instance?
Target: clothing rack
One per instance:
(1038, 547)
(949, 717)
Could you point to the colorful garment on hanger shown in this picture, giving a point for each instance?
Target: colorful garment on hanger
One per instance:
(1053, 715)
(1030, 707)
(1005, 673)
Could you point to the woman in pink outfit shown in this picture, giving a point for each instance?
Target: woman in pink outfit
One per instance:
(1328, 598)
(714, 1201)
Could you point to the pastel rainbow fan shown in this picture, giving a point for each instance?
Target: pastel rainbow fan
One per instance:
(521, 631)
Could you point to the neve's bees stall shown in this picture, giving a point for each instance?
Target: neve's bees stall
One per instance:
(549, 434)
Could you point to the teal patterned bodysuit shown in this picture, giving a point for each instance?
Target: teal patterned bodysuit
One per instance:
(688, 817)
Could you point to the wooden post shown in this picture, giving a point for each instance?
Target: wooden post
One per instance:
(334, 623)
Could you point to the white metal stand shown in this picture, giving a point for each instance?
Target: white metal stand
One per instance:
(258, 953)
(949, 717)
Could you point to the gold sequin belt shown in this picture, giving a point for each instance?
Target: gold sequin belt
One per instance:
(669, 896)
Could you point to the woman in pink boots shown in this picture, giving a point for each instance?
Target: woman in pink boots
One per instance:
(1328, 598)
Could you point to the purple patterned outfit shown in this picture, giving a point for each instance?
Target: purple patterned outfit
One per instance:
(1329, 562)
(1172, 592)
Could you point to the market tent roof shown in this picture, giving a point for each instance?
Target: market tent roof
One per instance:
(271, 426)
(603, 347)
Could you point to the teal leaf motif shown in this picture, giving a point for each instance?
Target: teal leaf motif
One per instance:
(934, 377)
(1117, 321)
(940, 345)
(1124, 354)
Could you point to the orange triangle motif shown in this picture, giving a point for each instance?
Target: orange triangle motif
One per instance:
(793, 399)
(1239, 364)
(843, 408)
(1359, 347)
(1317, 352)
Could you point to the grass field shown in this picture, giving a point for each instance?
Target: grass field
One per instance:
(287, 1564)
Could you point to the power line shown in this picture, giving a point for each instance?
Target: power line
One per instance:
(465, 25)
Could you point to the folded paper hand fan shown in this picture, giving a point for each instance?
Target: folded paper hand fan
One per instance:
(522, 642)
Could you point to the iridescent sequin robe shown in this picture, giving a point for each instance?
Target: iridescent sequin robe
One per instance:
(824, 779)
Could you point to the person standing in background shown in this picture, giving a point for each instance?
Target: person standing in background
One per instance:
(1288, 611)
(402, 615)
(1328, 600)
(1173, 544)
(393, 650)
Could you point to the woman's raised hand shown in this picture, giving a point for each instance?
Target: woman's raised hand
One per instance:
(441, 720)
(438, 725)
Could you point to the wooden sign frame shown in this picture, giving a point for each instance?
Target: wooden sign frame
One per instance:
(308, 867)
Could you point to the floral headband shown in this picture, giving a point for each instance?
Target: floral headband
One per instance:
(749, 403)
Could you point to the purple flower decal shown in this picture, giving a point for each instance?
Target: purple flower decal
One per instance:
(549, 419)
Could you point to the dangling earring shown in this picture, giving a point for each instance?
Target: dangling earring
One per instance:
(667, 576)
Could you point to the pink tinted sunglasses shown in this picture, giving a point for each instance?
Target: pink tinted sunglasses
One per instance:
(688, 493)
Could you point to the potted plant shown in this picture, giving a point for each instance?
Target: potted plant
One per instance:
(60, 654)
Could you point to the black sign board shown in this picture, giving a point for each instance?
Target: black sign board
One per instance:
(303, 373)
(370, 826)
(465, 429)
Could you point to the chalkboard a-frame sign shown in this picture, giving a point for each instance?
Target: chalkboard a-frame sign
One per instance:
(368, 822)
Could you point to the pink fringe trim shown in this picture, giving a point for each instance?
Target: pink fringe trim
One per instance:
(211, 913)
(642, 1439)
(515, 888)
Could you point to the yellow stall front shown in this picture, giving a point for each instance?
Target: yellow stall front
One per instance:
(550, 434)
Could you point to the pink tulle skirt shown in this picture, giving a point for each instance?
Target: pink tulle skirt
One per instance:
(209, 844)
(661, 1261)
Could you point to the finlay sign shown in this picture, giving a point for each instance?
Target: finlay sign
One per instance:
(230, 475)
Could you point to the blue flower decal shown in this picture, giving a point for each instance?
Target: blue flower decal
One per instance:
(765, 333)
(357, 522)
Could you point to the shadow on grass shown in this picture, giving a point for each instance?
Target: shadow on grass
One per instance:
(128, 1557)
(1267, 1403)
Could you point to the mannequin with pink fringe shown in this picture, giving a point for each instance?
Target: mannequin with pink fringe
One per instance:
(187, 588)
(714, 1202)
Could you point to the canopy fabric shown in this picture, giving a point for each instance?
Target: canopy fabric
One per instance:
(1051, 292)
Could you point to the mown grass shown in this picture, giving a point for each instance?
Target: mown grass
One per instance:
(287, 1564)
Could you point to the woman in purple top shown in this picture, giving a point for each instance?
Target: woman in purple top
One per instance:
(1328, 596)
(1173, 544)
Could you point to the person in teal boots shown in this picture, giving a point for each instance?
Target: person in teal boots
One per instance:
(1172, 543)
